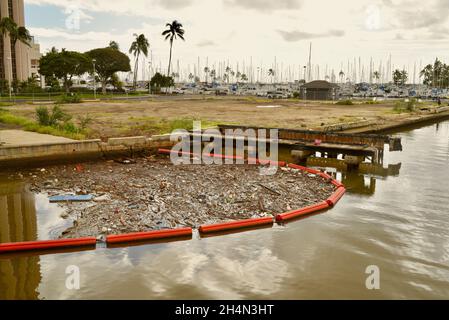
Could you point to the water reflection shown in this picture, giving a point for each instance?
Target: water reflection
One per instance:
(19, 278)
(401, 227)
(18, 219)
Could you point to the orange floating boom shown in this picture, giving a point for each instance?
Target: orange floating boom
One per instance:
(302, 212)
(232, 225)
(150, 235)
(47, 244)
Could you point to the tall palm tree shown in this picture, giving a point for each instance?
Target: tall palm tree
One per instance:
(6, 25)
(206, 71)
(139, 46)
(228, 71)
(174, 30)
(376, 75)
(16, 33)
(271, 74)
(341, 74)
(213, 75)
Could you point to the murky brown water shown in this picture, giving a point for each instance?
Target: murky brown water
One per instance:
(395, 217)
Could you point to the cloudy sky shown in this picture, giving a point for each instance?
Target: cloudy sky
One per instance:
(236, 30)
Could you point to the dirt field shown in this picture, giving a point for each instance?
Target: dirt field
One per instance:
(152, 193)
(110, 119)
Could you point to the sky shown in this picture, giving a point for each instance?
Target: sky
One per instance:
(239, 31)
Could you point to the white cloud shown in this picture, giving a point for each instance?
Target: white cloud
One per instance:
(219, 31)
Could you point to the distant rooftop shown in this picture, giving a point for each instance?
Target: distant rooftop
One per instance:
(319, 84)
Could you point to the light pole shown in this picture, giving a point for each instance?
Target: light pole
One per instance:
(149, 77)
(95, 84)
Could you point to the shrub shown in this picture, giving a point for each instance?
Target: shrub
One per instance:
(57, 115)
(70, 127)
(296, 95)
(84, 121)
(345, 103)
(43, 116)
(411, 105)
(405, 106)
(75, 98)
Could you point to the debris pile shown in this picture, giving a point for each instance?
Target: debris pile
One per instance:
(151, 193)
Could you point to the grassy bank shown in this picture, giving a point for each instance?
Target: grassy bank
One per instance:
(29, 125)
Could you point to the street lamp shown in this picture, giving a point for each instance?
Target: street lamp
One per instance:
(95, 85)
(149, 77)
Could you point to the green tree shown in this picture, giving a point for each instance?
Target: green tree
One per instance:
(115, 82)
(174, 30)
(4, 86)
(160, 81)
(114, 45)
(400, 77)
(139, 46)
(64, 65)
(108, 61)
(436, 75)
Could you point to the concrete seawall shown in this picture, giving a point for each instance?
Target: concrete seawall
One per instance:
(12, 156)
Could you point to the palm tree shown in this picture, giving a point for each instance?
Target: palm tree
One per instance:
(341, 74)
(139, 45)
(191, 77)
(228, 72)
(271, 74)
(213, 74)
(244, 77)
(232, 74)
(206, 71)
(16, 33)
(238, 75)
(376, 76)
(174, 30)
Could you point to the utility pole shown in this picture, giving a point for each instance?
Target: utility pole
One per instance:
(95, 84)
(310, 62)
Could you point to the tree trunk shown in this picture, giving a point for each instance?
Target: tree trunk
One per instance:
(169, 60)
(103, 87)
(66, 85)
(136, 68)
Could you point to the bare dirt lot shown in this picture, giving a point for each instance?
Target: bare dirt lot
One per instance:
(163, 114)
(152, 193)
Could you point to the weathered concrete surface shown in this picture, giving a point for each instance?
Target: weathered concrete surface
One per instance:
(49, 149)
(20, 137)
(45, 148)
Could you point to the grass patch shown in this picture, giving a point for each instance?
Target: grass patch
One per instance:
(371, 102)
(406, 106)
(150, 125)
(345, 103)
(68, 130)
